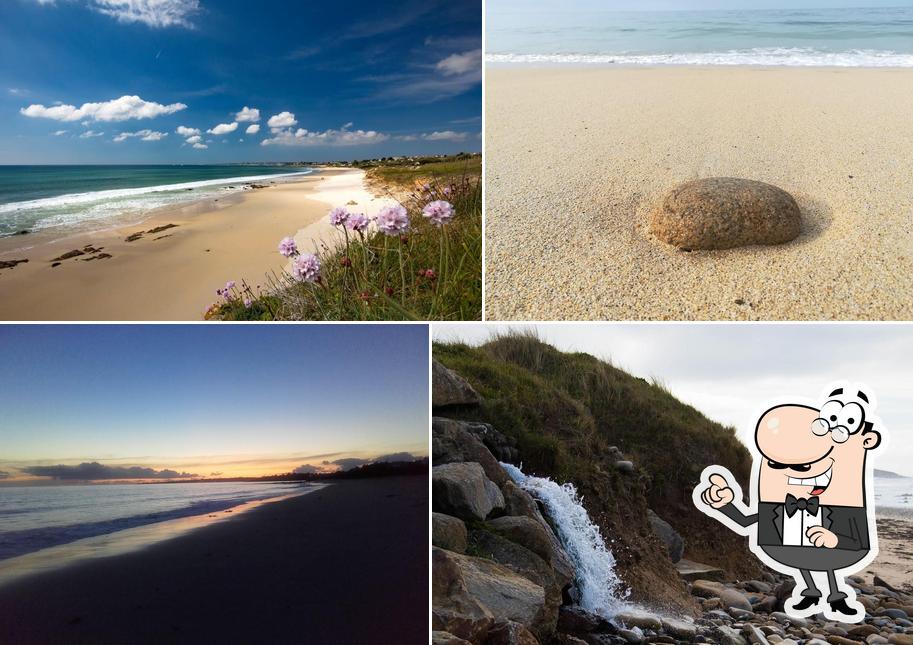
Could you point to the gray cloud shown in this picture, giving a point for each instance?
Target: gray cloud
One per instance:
(307, 469)
(353, 462)
(95, 470)
(4, 475)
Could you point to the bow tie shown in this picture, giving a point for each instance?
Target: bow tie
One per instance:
(810, 505)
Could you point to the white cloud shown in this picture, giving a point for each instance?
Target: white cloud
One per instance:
(17, 91)
(460, 63)
(122, 109)
(200, 146)
(88, 134)
(253, 129)
(341, 137)
(142, 135)
(184, 131)
(248, 114)
(155, 13)
(407, 137)
(446, 135)
(60, 132)
(282, 120)
(223, 128)
(194, 139)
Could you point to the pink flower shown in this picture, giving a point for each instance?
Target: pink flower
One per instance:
(392, 220)
(439, 212)
(306, 268)
(338, 216)
(430, 274)
(357, 222)
(248, 302)
(287, 247)
(229, 285)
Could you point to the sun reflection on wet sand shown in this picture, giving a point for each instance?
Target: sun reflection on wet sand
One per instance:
(126, 541)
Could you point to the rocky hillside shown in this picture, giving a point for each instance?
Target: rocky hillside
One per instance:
(501, 575)
(575, 417)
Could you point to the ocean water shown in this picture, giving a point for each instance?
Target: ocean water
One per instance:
(71, 198)
(33, 518)
(894, 496)
(867, 37)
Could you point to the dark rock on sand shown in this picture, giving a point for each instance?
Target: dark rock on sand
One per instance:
(133, 237)
(23, 232)
(448, 388)
(463, 490)
(159, 229)
(724, 212)
(448, 532)
(9, 264)
(664, 531)
(69, 254)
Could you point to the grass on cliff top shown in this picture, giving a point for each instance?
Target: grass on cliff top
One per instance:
(566, 409)
(409, 174)
(431, 273)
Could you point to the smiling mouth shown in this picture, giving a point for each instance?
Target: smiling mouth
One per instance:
(819, 484)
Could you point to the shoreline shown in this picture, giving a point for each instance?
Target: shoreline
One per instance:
(126, 540)
(184, 253)
(346, 564)
(568, 205)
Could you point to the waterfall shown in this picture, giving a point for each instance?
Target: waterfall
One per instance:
(601, 591)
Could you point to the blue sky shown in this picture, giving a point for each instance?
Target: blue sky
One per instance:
(343, 80)
(239, 399)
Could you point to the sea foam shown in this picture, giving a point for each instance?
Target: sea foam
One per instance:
(757, 56)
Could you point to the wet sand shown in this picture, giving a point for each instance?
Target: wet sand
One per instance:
(344, 564)
(894, 562)
(173, 274)
(576, 158)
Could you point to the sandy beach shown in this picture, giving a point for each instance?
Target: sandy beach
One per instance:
(173, 273)
(577, 157)
(345, 564)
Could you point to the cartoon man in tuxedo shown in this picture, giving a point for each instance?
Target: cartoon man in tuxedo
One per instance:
(810, 485)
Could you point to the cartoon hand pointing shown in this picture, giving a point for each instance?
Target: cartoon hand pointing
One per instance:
(719, 493)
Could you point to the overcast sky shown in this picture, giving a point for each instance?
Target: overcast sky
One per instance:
(728, 371)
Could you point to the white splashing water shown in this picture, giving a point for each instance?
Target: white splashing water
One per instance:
(601, 590)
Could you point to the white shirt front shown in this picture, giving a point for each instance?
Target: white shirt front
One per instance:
(794, 527)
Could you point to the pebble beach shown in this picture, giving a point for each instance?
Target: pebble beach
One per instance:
(568, 201)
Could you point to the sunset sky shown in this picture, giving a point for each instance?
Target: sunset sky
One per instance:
(209, 401)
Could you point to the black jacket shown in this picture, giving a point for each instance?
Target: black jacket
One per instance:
(849, 523)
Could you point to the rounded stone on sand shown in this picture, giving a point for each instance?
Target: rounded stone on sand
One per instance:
(725, 212)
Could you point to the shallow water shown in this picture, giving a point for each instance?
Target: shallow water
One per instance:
(867, 37)
(72, 198)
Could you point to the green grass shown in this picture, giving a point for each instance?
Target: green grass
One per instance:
(408, 175)
(566, 409)
(378, 277)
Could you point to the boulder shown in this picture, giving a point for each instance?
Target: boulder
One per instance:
(729, 597)
(690, 570)
(467, 592)
(449, 388)
(538, 539)
(448, 532)
(577, 620)
(518, 502)
(523, 562)
(446, 638)
(451, 442)
(453, 608)
(664, 531)
(504, 448)
(510, 633)
(463, 490)
(639, 619)
(723, 212)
